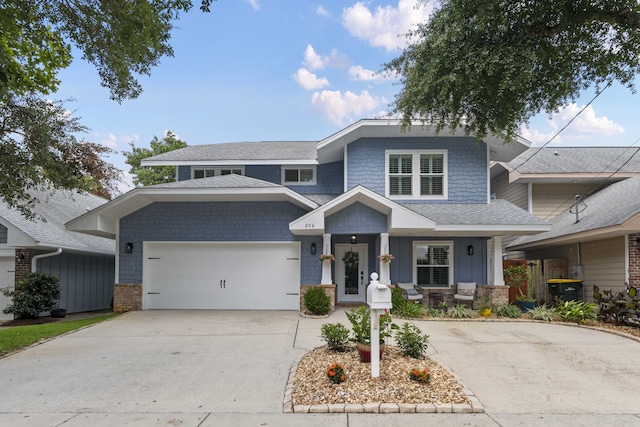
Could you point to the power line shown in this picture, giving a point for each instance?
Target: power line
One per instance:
(565, 126)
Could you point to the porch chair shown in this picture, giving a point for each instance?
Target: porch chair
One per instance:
(410, 292)
(466, 292)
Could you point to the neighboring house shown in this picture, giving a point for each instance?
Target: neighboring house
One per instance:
(85, 264)
(245, 224)
(604, 182)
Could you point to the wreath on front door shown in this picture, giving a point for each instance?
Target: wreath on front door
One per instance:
(350, 259)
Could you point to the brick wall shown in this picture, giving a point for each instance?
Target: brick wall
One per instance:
(634, 260)
(127, 297)
(23, 264)
(328, 289)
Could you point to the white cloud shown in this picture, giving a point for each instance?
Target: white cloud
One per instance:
(320, 10)
(317, 62)
(360, 74)
(110, 140)
(586, 126)
(114, 142)
(337, 107)
(308, 80)
(386, 26)
(255, 4)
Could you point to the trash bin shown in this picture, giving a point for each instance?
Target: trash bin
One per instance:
(565, 289)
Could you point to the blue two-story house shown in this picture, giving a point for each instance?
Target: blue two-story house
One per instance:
(245, 224)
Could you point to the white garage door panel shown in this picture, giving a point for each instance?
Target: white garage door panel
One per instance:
(7, 276)
(222, 276)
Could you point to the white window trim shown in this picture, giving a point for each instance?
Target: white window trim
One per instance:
(312, 182)
(217, 169)
(432, 243)
(415, 170)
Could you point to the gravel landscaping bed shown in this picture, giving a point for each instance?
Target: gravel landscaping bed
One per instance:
(312, 387)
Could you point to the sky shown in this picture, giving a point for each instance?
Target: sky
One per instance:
(273, 70)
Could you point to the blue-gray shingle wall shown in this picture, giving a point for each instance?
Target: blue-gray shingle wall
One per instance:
(202, 221)
(3, 234)
(467, 165)
(354, 219)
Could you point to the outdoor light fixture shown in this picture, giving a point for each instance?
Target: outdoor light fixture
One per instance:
(470, 250)
(313, 249)
(128, 247)
(354, 239)
(19, 256)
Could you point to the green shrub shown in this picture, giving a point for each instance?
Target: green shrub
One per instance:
(621, 308)
(336, 335)
(542, 312)
(434, 312)
(576, 311)
(508, 310)
(397, 299)
(317, 301)
(34, 294)
(411, 309)
(411, 340)
(460, 311)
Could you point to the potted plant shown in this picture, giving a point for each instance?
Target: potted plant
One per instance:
(360, 319)
(517, 277)
(484, 307)
(386, 258)
(327, 258)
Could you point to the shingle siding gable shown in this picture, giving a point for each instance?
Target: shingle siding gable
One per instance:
(467, 165)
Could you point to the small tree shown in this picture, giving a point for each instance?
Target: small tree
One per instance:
(34, 294)
(147, 175)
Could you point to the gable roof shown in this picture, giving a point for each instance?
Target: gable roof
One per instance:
(56, 208)
(557, 164)
(445, 219)
(103, 221)
(327, 150)
(613, 211)
(246, 153)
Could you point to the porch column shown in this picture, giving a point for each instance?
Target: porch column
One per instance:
(498, 277)
(385, 268)
(326, 266)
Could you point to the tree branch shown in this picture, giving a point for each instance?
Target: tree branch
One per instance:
(626, 18)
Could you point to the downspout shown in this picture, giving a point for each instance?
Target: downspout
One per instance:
(37, 257)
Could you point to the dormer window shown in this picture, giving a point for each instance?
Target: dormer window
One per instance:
(416, 174)
(206, 172)
(298, 176)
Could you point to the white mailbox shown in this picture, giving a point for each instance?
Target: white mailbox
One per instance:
(378, 295)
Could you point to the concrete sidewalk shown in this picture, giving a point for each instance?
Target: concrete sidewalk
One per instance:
(219, 368)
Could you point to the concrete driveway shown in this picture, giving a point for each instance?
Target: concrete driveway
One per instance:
(218, 368)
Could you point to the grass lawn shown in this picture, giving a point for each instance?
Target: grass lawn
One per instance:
(21, 336)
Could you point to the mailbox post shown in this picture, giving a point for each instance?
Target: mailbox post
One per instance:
(378, 299)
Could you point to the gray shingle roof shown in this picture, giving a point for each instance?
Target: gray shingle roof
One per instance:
(223, 181)
(609, 207)
(242, 151)
(58, 208)
(498, 212)
(577, 160)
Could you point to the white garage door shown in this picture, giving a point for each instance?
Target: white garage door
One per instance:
(234, 276)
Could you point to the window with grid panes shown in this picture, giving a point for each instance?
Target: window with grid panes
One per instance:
(294, 176)
(433, 265)
(417, 174)
(207, 172)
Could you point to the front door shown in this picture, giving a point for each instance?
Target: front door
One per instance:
(352, 271)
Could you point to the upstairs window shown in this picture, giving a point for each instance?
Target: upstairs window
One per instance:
(298, 176)
(417, 174)
(206, 172)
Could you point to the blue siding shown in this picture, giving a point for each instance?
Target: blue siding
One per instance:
(467, 268)
(356, 219)
(184, 173)
(86, 281)
(467, 165)
(269, 173)
(328, 180)
(310, 265)
(202, 221)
